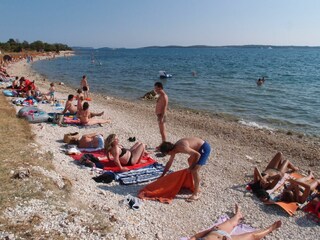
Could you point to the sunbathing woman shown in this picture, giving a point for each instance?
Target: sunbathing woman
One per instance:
(299, 190)
(85, 116)
(122, 156)
(223, 230)
(274, 171)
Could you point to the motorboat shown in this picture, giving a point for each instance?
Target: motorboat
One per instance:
(163, 74)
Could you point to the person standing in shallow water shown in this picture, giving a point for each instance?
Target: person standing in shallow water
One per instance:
(161, 109)
(85, 86)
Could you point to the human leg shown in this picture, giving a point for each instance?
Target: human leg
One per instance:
(97, 121)
(256, 235)
(162, 129)
(96, 114)
(285, 166)
(231, 223)
(275, 161)
(137, 152)
(196, 179)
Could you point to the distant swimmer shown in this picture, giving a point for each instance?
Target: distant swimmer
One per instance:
(194, 73)
(260, 81)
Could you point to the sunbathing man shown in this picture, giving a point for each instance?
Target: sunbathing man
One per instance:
(223, 230)
(69, 106)
(300, 189)
(85, 116)
(121, 156)
(198, 151)
(92, 140)
(274, 171)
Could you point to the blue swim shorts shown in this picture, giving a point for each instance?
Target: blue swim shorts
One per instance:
(204, 150)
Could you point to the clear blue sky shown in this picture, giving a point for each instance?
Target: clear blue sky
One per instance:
(139, 23)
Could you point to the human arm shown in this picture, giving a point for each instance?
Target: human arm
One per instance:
(301, 190)
(115, 151)
(168, 165)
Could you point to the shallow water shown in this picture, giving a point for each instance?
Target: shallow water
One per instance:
(225, 80)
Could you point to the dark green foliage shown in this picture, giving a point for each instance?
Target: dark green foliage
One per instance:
(16, 46)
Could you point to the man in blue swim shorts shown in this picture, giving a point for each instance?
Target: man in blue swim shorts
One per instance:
(198, 151)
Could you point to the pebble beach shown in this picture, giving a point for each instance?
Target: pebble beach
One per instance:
(236, 150)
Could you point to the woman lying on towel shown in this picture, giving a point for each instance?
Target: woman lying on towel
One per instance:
(274, 171)
(299, 190)
(223, 230)
(122, 156)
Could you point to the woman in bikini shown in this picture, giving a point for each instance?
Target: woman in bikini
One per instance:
(122, 156)
(274, 171)
(223, 231)
(300, 189)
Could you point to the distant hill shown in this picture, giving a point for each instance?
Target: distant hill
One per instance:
(82, 48)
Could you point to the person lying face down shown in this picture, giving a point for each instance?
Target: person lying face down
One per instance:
(123, 157)
(223, 230)
(273, 172)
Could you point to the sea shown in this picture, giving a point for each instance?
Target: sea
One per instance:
(218, 80)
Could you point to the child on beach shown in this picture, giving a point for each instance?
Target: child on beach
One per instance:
(161, 109)
(85, 86)
(50, 93)
(198, 151)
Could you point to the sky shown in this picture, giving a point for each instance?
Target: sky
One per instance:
(140, 23)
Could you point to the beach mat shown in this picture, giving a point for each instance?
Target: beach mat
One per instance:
(166, 188)
(145, 174)
(71, 120)
(109, 165)
(239, 229)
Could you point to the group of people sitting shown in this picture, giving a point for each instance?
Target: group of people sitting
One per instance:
(295, 190)
(81, 110)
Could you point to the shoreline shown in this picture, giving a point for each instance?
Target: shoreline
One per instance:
(268, 123)
(228, 168)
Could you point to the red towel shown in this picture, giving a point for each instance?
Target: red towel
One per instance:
(111, 166)
(166, 188)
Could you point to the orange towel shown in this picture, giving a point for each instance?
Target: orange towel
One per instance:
(166, 188)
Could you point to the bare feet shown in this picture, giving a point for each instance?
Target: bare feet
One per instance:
(275, 225)
(193, 198)
(238, 213)
(100, 114)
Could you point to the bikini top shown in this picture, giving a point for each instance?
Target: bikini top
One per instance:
(123, 152)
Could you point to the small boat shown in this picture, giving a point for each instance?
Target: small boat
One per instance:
(163, 74)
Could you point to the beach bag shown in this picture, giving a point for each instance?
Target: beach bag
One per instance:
(71, 137)
(89, 160)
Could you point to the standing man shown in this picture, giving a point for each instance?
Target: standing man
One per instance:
(198, 151)
(161, 109)
(85, 86)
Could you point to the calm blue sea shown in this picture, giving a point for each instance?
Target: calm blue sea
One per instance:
(225, 80)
